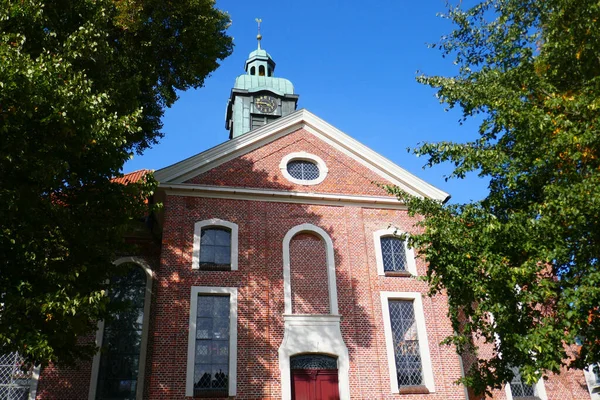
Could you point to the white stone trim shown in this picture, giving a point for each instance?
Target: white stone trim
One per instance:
(35, 377)
(540, 390)
(145, 324)
(280, 196)
(302, 155)
(232, 293)
(313, 334)
(593, 384)
(331, 284)
(186, 169)
(197, 240)
(415, 297)
(411, 265)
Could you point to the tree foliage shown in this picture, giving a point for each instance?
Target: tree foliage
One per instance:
(83, 85)
(521, 267)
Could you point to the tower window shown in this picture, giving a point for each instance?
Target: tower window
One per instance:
(253, 71)
(270, 72)
(261, 70)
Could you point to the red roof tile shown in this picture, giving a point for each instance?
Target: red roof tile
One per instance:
(132, 177)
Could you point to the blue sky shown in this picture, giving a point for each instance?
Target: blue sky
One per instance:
(353, 64)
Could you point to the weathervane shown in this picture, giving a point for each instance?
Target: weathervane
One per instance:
(259, 36)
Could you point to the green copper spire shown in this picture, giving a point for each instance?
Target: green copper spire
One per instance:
(257, 96)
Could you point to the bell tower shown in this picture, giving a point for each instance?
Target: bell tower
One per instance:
(258, 97)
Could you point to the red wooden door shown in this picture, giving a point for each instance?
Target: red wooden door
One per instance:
(315, 384)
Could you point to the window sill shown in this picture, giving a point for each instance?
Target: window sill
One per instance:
(398, 273)
(413, 390)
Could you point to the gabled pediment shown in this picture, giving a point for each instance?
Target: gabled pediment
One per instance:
(185, 172)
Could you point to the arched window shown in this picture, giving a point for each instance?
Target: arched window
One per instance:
(215, 245)
(270, 72)
(261, 70)
(313, 361)
(120, 366)
(253, 71)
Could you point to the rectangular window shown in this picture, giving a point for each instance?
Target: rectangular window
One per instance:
(393, 251)
(211, 370)
(211, 361)
(406, 341)
(15, 383)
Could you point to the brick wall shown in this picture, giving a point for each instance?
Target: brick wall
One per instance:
(259, 279)
(308, 270)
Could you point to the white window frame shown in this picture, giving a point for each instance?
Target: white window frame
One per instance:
(223, 291)
(539, 388)
(593, 382)
(417, 301)
(411, 265)
(215, 222)
(302, 155)
(139, 392)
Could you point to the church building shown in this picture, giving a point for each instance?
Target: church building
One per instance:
(279, 274)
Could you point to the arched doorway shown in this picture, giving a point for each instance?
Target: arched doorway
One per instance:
(314, 377)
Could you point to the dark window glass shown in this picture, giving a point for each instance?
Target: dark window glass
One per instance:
(14, 383)
(406, 343)
(253, 71)
(215, 247)
(211, 361)
(303, 170)
(122, 339)
(521, 390)
(393, 252)
(261, 70)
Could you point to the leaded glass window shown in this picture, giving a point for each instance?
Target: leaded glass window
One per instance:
(211, 360)
(122, 339)
(393, 251)
(521, 390)
(14, 382)
(215, 247)
(406, 343)
(313, 361)
(303, 170)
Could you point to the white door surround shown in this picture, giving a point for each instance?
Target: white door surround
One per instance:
(319, 333)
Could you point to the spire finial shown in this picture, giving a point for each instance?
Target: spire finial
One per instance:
(258, 36)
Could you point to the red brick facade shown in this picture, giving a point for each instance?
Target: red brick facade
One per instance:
(260, 282)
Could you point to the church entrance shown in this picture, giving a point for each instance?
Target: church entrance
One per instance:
(314, 377)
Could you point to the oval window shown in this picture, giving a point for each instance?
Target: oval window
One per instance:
(303, 170)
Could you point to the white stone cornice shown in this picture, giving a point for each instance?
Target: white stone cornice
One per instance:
(280, 196)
